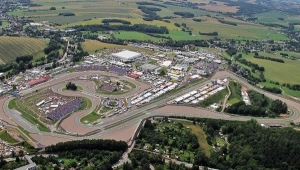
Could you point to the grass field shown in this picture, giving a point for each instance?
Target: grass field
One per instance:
(105, 110)
(6, 137)
(242, 31)
(12, 47)
(86, 104)
(290, 53)
(285, 90)
(129, 35)
(93, 46)
(236, 95)
(180, 35)
(90, 118)
(287, 72)
(216, 98)
(27, 114)
(199, 133)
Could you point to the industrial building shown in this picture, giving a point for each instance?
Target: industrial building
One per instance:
(150, 68)
(126, 56)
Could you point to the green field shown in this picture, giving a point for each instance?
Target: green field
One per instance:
(12, 47)
(287, 72)
(285, 90)
(86, 104)
(27, 114)
(129, 35)
(236, 95)
(6, 137)
(272, 17)
(180, 35)
(90, 118)
(216, 98)
(105, 110)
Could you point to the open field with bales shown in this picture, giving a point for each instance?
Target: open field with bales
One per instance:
(12, 47)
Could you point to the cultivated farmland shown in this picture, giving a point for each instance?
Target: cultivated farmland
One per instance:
(12, 47)
(93, 46)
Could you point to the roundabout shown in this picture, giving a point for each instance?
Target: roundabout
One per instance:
(120, 126)
(112, 103)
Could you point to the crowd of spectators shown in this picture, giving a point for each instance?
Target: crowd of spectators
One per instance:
(65, 109)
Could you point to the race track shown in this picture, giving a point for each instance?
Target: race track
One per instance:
(121, 127)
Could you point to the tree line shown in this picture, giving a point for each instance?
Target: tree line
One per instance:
(248, 63)
(215, 33)
(116, 21)
(151, 3)
(185, 14)
(150, 13)
(227, 22)
(268, 58)
(273, 89)
(108, 145)
(144, 28)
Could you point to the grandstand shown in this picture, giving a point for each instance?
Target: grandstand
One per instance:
(90, 67)
(65, 109)
(117, 70)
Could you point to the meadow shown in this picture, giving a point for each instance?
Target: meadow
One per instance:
(12, 47)
(287, 72)
(129, 35)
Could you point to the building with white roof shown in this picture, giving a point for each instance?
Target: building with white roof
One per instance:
(126, 55)
(166, 63)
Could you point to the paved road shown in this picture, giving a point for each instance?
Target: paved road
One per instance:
(132, 117)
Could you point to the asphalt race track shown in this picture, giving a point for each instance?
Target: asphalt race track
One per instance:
(122, 127)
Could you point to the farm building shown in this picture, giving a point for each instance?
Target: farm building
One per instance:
(126, 56)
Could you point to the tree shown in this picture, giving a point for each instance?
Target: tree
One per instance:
(71, 86)
(278, 107)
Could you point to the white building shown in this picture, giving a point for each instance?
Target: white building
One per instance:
(166, 63)
(126, 56)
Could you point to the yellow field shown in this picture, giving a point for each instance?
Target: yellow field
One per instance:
(12, 47)
(91, 46)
